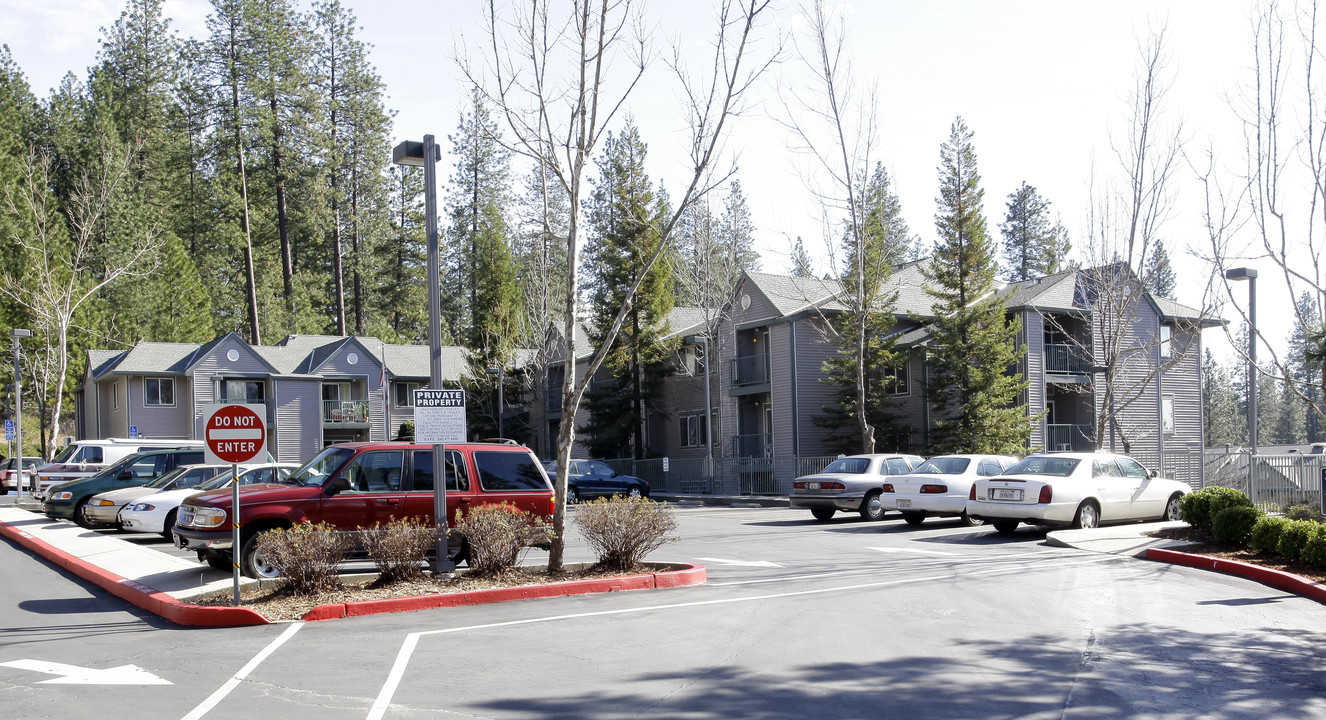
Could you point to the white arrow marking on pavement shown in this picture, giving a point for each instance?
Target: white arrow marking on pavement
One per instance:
(741, 563)
(75, 675)
(913, 550)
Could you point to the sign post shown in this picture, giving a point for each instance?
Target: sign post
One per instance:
(234, 434)
(439, 418)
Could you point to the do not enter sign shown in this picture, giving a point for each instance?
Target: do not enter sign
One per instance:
(234, 434)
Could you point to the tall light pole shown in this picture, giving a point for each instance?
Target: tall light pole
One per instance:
(1250, 274)
(501, 408)
(703, 341)
(16, 334)
(426, 154)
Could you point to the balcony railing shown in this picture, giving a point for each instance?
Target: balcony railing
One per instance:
(750, 370)
(1071, 359)
(757, 445)
(1077, 438)
(343, 412)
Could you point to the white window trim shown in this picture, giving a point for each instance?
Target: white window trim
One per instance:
(1167, 413)
(170, 404)
(1166, 341)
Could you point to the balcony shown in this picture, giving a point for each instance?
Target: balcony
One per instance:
(1076, 438)
(344, 412)
(757, 445)
(750, 371)
(1067, 359)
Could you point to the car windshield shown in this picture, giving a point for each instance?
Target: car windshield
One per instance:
(168, 478)
(943, 466)
(113, 470)
(1058, 466)
(65, 453)
(216, 483)
(315, 471)
(855, 466)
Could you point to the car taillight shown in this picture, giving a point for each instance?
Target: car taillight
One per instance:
(1047, 493)
(799, 485)
(971, 494)
(833, 486)
(888, 487)
(934, 489)
(552, 505)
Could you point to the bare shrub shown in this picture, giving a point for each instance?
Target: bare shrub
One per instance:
(400, 548)
(622, 531)
(499, 534)
(307, 556)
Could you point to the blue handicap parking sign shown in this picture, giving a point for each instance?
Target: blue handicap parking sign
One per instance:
(9, 430)
(133, 432)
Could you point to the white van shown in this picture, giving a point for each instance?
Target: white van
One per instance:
(83, 458)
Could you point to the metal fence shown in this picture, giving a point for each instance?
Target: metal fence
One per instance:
(1274, 482)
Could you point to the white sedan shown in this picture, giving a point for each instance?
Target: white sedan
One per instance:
(1080, 490)
(156, 513)
(940, 486)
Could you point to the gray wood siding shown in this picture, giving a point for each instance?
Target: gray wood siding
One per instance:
(1137, 398)
(1184, 382)
(1033, 335)
(814, 345)
(780, 387)
(90, 414)
(175, 422)
(297, 432)
(910, 408)
(681, 395)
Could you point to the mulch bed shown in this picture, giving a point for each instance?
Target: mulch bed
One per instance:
(1208, 545)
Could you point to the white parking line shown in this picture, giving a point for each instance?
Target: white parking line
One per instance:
(206, 706)
(916, 551)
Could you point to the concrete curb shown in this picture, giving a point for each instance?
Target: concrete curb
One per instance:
(152, 600)
(1278, 579)
(685, 575)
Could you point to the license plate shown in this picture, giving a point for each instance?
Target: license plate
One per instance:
(812, 486)
(1005, 494)
(904, 503)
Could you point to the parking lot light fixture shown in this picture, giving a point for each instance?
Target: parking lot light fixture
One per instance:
(1250, 274)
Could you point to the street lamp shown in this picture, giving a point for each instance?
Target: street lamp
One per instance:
(16, 334)
(501, 431)
(426, 154)
(703, 341)
(1250, 275)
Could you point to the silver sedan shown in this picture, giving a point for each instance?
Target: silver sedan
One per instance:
(850, 484)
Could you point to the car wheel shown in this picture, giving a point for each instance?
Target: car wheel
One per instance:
(1173, 508)
(170, 525)
(253, 564)
(572, 495)
(970, 521)
(913, 519)
(219, 562)
(871, 508)
(1007, 527)
(634, 492)
(822, 514)
(80, 514)
(1088, 516)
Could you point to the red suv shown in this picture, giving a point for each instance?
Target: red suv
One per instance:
(358, 485)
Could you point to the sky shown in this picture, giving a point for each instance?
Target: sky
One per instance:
(1042, 84)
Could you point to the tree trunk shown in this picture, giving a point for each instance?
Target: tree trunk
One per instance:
(283, 220)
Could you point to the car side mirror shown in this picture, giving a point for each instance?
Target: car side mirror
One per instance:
(1155, 472)
(337, 486)
(125, 475)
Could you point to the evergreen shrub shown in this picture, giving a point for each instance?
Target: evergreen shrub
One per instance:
(1295, 536)
(1232, 524)
(1265, 533)
(1314, 552)
(1200, 508)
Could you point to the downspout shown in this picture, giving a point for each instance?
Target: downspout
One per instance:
(925, 398)
(1160, 402)
(796, 408)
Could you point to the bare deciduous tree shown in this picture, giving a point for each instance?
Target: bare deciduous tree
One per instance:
(65, 264)
(550, 80)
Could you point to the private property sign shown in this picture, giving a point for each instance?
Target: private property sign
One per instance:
(234, 434)
(439, 416)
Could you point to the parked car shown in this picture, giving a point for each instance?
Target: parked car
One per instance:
(850, 484)
(85, 458)
(9, 480)
(940, 486)
(155, 513)
(354, 486)
(104, 508)
(1080, 490)
(68, 501)
(593, 478)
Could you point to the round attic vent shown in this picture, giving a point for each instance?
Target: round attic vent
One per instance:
(352, 358)
(745, 302)
(232, 356)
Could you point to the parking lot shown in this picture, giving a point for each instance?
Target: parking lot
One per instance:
(799, 619)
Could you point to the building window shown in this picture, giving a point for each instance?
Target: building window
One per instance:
(692, 360)
(115, 395)
(1166, 338)
(1167, 414)
(895, 379)
(405, 393)
(237, 390)
(692, 429)
(159, 392)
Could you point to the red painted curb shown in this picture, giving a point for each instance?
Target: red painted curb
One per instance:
(1267, 576)
(160, 603)
(686, 575)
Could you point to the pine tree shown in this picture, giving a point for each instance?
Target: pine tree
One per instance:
(1305, 372)
(20, 116)
(974, 346)
(401, 311)
(801, 265)
(1158, 276)
(735, 236)
(1033, 245)
(623, 220)
(1224, 423)
(866, 364)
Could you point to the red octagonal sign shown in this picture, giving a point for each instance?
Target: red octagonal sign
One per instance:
(235, 434)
